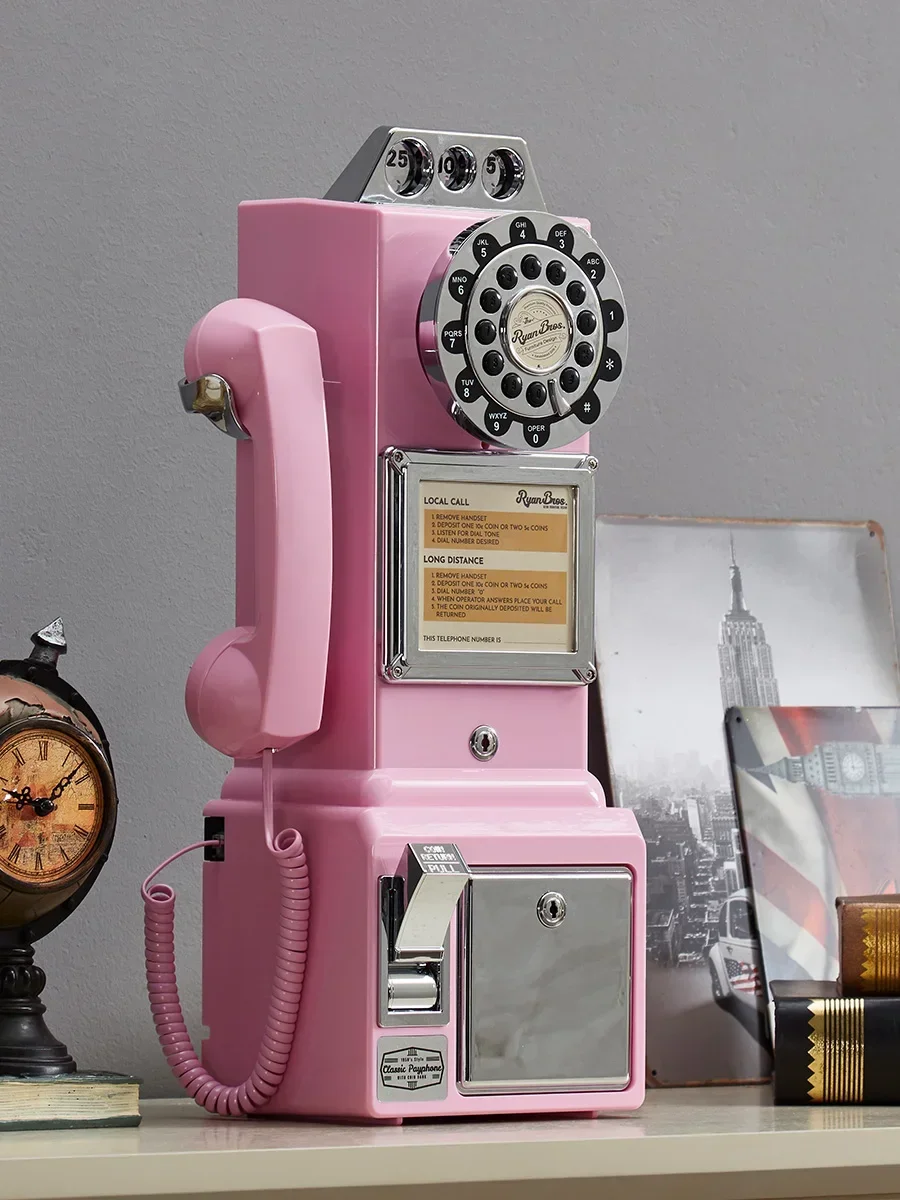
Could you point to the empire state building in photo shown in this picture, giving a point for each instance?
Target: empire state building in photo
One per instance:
(746, 675)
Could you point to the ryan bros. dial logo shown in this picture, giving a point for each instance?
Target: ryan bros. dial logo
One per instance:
(538, 331)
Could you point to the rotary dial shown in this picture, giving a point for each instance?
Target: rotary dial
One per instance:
(522, 329)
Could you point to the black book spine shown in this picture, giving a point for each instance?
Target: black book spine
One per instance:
(842, 1050)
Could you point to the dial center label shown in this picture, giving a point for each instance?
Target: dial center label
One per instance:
(496, 567)
(538, 330)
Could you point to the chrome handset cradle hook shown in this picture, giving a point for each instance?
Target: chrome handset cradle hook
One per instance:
(211, 396)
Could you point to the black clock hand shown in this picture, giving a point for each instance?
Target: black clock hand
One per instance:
(42, 805)
(24, 795)
(64, 783)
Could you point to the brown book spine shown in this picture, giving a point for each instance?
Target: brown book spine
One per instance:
(869, 930)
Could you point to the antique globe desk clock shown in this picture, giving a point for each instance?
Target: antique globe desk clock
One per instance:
(451, 921)
(57, 818)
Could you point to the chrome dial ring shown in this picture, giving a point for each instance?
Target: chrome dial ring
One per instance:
(523, 330)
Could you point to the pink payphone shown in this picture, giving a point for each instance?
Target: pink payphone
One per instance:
(450, 920)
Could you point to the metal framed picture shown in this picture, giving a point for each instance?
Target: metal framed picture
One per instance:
(488, 567)
(694, 617)
(819, 795)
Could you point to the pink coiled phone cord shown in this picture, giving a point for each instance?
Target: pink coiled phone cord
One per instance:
(290, 967)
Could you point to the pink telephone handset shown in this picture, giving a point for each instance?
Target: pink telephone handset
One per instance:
(242, 695)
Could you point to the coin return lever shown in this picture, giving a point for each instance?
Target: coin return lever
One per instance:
(416, 913)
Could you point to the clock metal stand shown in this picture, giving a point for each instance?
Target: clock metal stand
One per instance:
(27, 1046)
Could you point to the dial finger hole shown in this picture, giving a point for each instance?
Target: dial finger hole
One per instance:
(485, 332)
(586, 322)
(490, 300)
(569, 380)
(531, 266)
(511, 385)
(507, 277)
(576, 292)
(492, 363)
(556, 272)
(584, 354)
(536, 394)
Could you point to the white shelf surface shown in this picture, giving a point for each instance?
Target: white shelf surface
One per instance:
(710, 1142)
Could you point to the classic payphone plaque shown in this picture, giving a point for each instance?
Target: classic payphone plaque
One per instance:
(488, 567)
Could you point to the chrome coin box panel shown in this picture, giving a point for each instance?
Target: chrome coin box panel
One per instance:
(546, 970)
(566, 481)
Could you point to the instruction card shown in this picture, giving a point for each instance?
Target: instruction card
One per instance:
(496, 567)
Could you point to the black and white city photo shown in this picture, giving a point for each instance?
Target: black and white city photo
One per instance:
(694, 617)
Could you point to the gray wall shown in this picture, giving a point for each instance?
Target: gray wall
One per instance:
(739, 162)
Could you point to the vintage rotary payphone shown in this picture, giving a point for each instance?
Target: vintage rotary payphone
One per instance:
(406, 682)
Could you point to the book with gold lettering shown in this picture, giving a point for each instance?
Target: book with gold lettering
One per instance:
(869, 939)
(832, 1049)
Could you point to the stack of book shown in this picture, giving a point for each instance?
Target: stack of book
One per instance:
(839, 1042)
(83, 1099)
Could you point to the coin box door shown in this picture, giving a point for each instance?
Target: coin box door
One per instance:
(547, 961)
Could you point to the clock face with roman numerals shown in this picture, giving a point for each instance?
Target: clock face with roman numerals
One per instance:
(53, 805)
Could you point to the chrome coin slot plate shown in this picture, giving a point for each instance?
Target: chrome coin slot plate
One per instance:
(440, 169)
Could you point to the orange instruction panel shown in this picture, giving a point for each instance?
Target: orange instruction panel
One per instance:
(496, 567)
